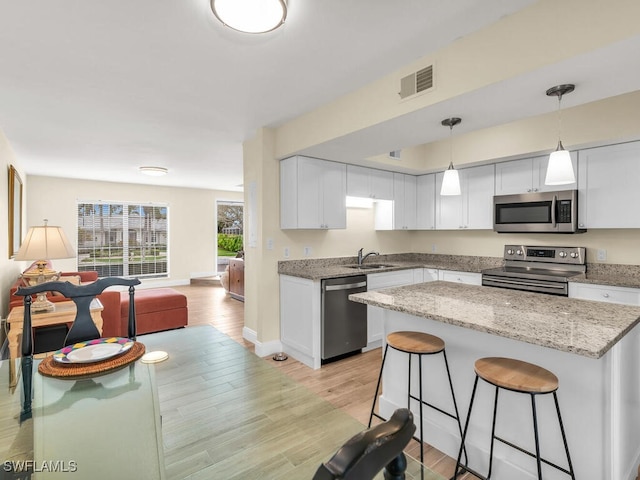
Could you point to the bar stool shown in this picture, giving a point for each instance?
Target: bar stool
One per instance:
(420, 344)
(519, 377)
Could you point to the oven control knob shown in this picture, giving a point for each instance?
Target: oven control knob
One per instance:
(510, 251)
(574, 254)
(562, 254)
(518, 252)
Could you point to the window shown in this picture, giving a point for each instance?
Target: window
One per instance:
(123, 239)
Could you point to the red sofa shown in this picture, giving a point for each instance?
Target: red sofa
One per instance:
(157, 309)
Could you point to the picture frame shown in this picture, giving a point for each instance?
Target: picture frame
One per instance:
(15, 211)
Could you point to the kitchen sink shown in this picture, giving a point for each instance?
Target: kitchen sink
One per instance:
(370, 266)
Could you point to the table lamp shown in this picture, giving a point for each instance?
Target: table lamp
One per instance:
(42, 244)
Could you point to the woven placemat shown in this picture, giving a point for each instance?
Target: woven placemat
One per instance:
(50, 368)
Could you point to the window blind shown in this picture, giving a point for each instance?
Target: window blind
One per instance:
(123, 239)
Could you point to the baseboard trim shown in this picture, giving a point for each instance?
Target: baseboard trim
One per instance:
(262, 349)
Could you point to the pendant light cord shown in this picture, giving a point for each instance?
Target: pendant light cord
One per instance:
(559, 118)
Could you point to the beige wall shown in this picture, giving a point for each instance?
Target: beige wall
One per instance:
(545, 33)
(192, 217)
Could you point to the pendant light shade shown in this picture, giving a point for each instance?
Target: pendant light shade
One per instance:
(560, 170)
(250, 16)
(451, 179)
(450, 182)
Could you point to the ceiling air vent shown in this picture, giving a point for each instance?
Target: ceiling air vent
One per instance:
(395, 154)
(416, 82)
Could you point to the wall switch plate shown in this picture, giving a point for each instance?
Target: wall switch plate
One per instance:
(286, 252)
(307, 251)
(269, 243)
(602, 255)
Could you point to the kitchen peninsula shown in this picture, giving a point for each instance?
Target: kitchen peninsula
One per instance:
(591, 346)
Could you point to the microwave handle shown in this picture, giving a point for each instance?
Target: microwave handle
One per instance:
(553, 211)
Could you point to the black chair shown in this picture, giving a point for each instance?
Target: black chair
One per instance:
(82, 328)
(368, 452)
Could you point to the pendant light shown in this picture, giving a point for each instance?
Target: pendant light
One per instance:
(560, 169)
(250, 16)
(451, 180)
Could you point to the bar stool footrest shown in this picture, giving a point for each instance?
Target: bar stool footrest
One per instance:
(464, 469)
(520, 449)
(413, 397)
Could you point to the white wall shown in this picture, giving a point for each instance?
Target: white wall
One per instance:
(9, 269)
(192, 218)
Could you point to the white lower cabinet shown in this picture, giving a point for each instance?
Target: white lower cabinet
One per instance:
(604, 293)
(468, 278)
(300, 319)
(378, 281)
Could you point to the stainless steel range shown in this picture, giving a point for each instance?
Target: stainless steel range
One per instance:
(537, 269)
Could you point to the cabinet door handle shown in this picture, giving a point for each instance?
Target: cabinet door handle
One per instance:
(605, 295)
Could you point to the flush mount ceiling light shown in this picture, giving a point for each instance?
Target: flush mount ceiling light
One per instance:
(250, 16)
(451, 180)
(560, 169)
(154, 171)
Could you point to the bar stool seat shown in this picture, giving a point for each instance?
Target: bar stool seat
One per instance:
(520, 377)
(415, 342)
(516, 375)
(420, 344)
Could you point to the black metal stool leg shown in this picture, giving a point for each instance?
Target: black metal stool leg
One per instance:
(421, 415)
(455, 405)
(375, 396)
(464, 432)
(536, 437)
(493, 432)
(564, 436)
(409, 384)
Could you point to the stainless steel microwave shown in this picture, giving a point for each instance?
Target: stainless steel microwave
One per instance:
(541, 212)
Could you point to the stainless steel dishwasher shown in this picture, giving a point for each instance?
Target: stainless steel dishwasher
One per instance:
(344, 323)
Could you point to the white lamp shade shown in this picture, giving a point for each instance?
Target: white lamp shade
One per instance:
(450, 182)
(250, 16)
(45, 243)
(560, 169)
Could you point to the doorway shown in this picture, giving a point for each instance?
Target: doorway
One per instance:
(230, 232)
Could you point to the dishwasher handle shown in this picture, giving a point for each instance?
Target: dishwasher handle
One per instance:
(346, 286)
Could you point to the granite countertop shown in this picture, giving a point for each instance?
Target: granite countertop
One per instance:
(319, 268)
(582, 327)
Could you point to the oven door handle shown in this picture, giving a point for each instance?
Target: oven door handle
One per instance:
(553, 211)
(526, 284)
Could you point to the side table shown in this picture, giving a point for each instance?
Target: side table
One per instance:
(65, 312)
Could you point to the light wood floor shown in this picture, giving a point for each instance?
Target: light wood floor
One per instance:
(348, 384)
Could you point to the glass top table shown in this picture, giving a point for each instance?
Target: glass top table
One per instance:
(103, 427)
(226, 413)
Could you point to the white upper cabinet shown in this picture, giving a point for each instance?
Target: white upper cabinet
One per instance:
(527, 176)
(404, 201)
(369, 183)
(426, 202)
(312, 194)
(608, 194)
(473, 208)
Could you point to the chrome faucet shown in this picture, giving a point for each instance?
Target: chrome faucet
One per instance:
(362, 258)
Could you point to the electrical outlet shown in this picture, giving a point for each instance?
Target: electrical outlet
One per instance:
(602, 255)
(269, 243)
(307, 251)
(434, 248)
(287, 252)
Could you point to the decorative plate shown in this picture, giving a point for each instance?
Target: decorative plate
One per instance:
(93, 350)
